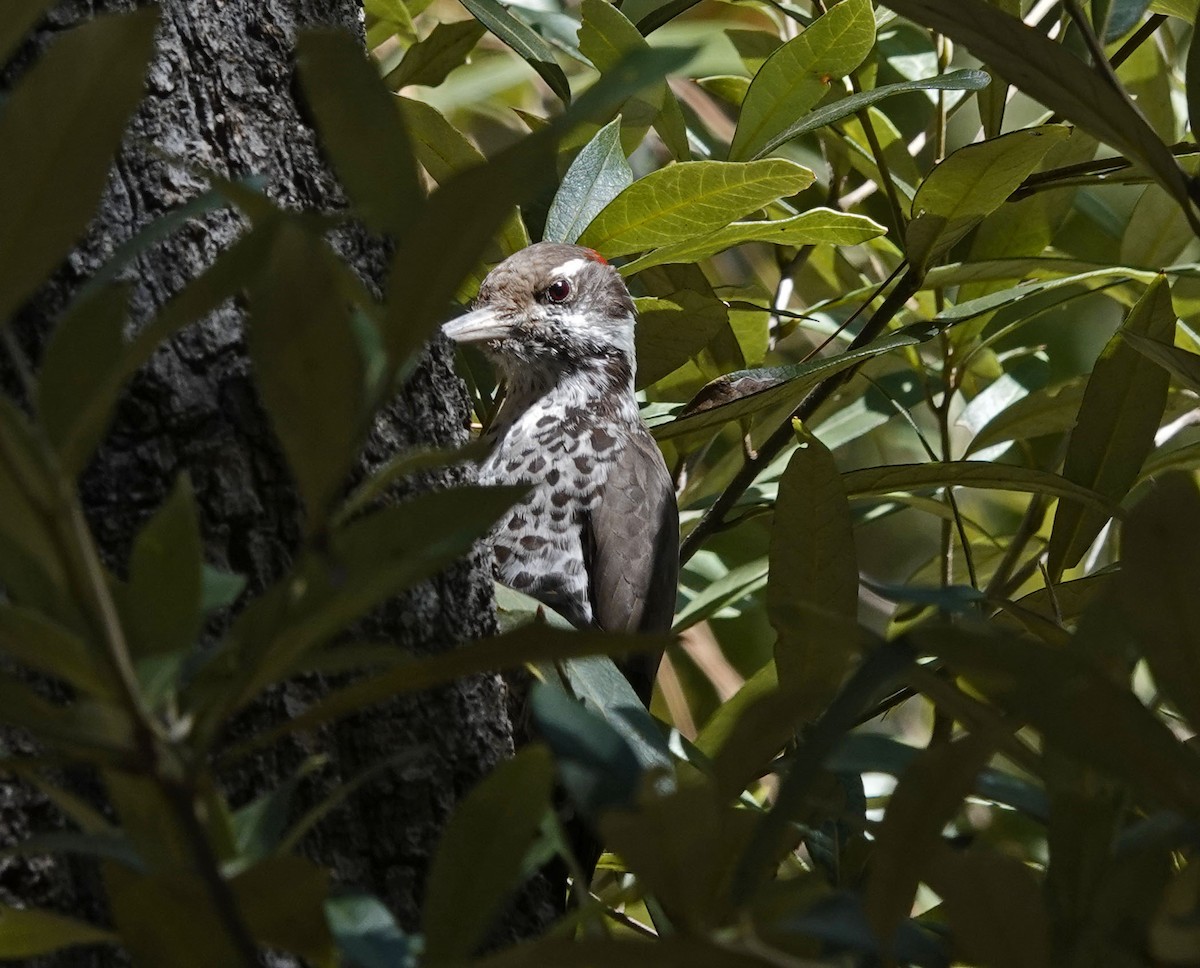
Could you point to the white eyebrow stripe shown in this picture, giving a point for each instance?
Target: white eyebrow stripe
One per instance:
(569, 268)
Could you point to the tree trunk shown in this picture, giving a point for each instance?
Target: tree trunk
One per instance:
(220, 96)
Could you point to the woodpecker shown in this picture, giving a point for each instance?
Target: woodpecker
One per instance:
(597, 538)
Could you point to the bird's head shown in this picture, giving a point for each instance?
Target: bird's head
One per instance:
(553, 308)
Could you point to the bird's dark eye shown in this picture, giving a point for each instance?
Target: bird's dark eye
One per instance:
(558, 291)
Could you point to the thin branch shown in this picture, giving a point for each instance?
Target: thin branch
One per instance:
(1144, 32)
(714, 517)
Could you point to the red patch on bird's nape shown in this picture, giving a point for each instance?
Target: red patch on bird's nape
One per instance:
(595, 256)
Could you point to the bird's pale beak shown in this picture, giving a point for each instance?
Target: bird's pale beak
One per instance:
(477, 326)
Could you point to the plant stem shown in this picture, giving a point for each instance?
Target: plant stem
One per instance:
(714, 517)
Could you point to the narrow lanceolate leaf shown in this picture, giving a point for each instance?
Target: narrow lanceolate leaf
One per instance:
(1120, 413)
(1156, 588)
(1182, 365)
(481, 857)
(928, 796)
(163, 598)
(812, 592)
(1050, 73)
(797, 75)
(1192, 83)
(893, 478)
(691, 199)
(598, 174)
(427, 62)
(1103, 725)
(973, 182)
(965, 80)
(86, 344)
(818, 226)
(368, 146)
(747, 392)
(307, 365)
(28, 933)
(60, 128)
(37, 642)
(524, 40)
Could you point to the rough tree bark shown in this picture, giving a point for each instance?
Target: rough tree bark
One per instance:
(220, 94)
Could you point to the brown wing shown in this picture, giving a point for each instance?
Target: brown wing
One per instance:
(631, 546)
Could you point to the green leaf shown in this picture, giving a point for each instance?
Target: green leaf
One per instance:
(817, 226)
(812, 592)
(690, 199)
(481, 855)
(307, 365)
(219, 589)
(928, 796)
(672, 330)
(524, 40)
(39, 643)
(61, 127)
(1192, 75)
(1045, 70)
(971, 183)
(258, 826)
(428, 61)
(28, 932)
(85, 345)
(161, 605)
(368, 145)
(748, 392)
(984, 894)
(1182, 365)
(732, 587)
(966, 80)
(598, 174)
(1050, 410)
(366, 933)
(890, 478)
(26, 489)
(1075, 704)
(798, 74)
(605, 36)
(1120, 413)
(596, 764)
(1156, 587)
(282, 900)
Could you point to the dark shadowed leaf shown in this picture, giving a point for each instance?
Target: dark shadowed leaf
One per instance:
(524, 40)
(1076, 705)
(1182, 365)
(20, 17)
(598, 174)
(282, 901)
(481, 854)
(428, 61)
(61, 127)
(929, 794)
(87, 343)
(161, 605)
(37, 642)
(258, 826)
(798, 74)
(1051, 410)
(28, 932)
(1118, 417)
(26, 489)
(688, 200)
(596, 765)
(368, 145)
(812, 592)
(1157, 587)
(307, 365)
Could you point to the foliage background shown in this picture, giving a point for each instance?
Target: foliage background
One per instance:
(922, 350)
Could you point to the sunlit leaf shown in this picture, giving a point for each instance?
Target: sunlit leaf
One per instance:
(524, 40)
(598, 174)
